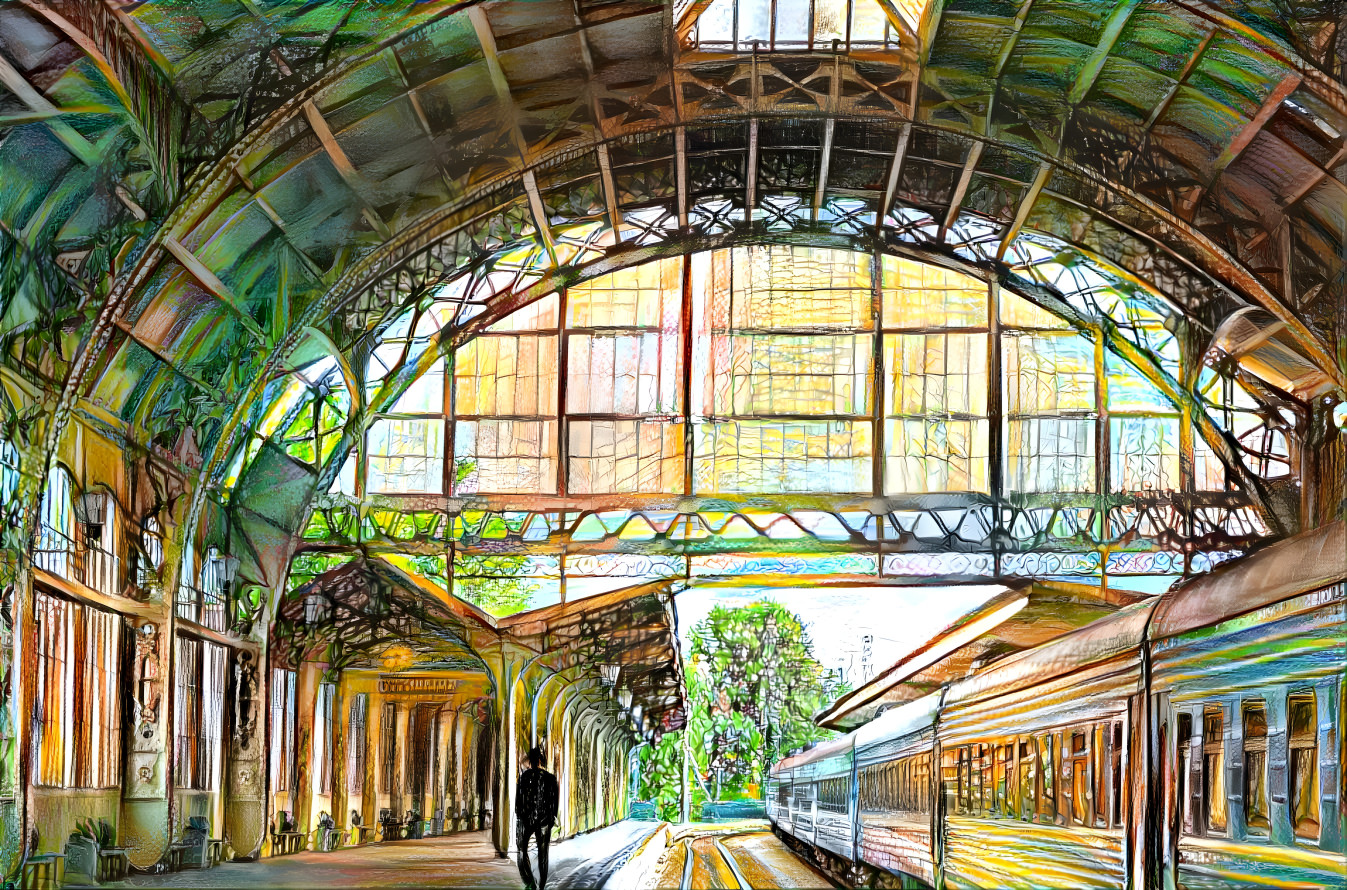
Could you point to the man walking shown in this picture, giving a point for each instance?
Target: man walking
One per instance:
(535, 807)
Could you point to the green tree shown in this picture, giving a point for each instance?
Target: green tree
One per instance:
(753, 688)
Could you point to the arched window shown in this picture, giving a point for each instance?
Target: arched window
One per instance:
(56, 534)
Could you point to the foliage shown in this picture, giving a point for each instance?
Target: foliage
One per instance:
(753, 688)
(101, 832)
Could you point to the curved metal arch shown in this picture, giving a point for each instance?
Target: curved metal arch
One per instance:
(334, 297)
(1002, 270)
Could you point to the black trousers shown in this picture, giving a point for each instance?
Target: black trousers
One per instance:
(543, 835)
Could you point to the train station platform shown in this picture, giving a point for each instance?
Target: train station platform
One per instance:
(466, 859)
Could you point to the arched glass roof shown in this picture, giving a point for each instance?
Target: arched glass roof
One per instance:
(215, 198)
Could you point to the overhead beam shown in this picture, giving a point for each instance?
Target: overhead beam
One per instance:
(76, 144)
(342, 163)
(1244, 137)
(1026, 207)
(1171, 94)
(606, 181)
(213, 285)
(970, 165)
(487, 40)
(895, 169)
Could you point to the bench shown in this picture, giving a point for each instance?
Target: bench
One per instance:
(41, 871)
(283, 843)
(175, 852)
(112, 864)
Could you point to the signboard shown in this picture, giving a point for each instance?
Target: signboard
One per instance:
(428, 686)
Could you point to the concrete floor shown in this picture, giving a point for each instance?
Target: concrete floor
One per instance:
(460, 860)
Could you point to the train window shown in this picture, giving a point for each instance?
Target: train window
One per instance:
(1116, 775)
(1002, 779)
(1028, 779)
(832, 795)
(1184, 799)
(1047, 787)
(1255, 767)
(1304, 761)
(1079, 772)
(989, 780)
(1099, 761)
(1213, 770)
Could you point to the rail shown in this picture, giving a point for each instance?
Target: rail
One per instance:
(204, 607)
(63, 556)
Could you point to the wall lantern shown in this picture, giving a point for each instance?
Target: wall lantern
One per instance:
(608, 674)
(91, 510)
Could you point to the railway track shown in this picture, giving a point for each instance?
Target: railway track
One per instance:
(745, 861)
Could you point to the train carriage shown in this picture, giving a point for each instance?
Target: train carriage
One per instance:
(895, 789)
(1193, 741)
(824, 778)
(1247, 691)
(1033, 754)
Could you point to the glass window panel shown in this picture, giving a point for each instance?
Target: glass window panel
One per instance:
(627, 456)
(764, 457)
(510, 375)
(1017, 312)
(425, 395)
(755, 22)
(922, 296)
(1128, 390)
(624, 374)
(792, 22)
(796, 287)
(540, 315)
(406, 456)
(1208, 470)
(1046, 454)
(830, 21)
(1048, 373)
(716, 23)
(925, 456)
(505, 457)
(802, 374)
(1144, 453)
(940, 374)
(648, 295)
(868, 22)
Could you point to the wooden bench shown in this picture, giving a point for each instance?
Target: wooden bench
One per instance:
(283, 843)
(175, 852)
(42, 871)
(112, 864)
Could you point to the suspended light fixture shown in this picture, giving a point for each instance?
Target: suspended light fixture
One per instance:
(90, 510)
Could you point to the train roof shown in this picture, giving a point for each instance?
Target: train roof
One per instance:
(897, 722)
(1100, 641)
(821, 751)
(1298, 565)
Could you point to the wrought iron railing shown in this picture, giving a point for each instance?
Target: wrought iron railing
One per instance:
(63, 556)
(208, 608)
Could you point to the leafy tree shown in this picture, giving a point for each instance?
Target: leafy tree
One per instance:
(753, 688)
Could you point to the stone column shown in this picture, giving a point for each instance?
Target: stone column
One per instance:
(245, 808)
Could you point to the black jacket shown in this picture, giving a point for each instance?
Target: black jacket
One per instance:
(535, 800)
